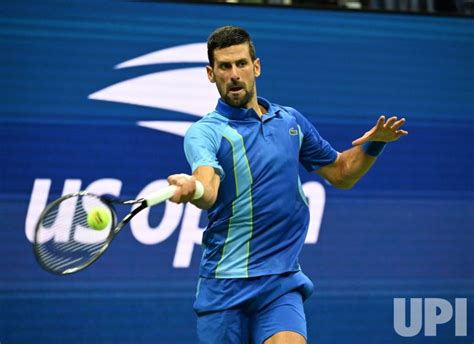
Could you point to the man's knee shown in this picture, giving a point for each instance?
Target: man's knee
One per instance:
(286, 337)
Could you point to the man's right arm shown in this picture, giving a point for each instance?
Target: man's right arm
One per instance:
(186, 186)
(201, 144)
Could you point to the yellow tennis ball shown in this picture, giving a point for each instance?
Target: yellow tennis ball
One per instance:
(98, 218)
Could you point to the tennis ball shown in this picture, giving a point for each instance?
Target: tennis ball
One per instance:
(98, 218)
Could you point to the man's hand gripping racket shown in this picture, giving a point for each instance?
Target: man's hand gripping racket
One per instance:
(65, 242)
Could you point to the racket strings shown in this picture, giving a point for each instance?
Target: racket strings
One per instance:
(64, 240)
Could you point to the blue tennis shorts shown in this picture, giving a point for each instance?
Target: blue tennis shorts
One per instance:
(251, 310)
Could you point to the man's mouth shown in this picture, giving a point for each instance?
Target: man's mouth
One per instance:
(235, 89)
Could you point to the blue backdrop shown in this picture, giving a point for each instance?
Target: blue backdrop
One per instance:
(97, 94)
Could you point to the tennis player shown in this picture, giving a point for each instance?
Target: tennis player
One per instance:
(246, 153)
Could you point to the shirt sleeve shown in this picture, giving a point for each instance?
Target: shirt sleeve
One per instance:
(315, 152)
(201, 144)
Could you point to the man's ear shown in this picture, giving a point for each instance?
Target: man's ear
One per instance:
(210, 74)
(257, 69)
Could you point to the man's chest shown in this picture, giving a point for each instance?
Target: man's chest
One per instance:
(264, 146)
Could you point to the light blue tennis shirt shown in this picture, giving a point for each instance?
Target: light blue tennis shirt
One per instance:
(259, 221)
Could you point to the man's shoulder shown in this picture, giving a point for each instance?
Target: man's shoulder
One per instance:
(292, 114)
(212, 118)
(213, 122)
(287, 110)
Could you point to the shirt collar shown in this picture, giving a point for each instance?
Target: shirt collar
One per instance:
(232, 112)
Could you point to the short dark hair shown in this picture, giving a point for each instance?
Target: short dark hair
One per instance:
(227, 36)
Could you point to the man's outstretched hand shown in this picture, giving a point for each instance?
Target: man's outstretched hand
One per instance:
(384, 131)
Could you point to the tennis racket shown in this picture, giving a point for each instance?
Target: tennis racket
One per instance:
(64, 243)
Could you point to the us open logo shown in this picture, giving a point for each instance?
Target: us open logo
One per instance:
(176, 217)
(430, 313)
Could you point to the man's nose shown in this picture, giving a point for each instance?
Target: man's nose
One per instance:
(235, 73)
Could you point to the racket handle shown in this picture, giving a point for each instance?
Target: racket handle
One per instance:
(199, 190)
(168, 192)
(160, 195)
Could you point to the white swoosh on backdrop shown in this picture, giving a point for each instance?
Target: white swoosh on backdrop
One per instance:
(172, 127)
(185, 90)
(187, 53)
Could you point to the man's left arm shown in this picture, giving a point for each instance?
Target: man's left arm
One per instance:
(352, 164)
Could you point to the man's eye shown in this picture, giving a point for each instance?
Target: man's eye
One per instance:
(242, 63)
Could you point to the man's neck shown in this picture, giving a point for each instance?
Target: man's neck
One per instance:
(259, 109)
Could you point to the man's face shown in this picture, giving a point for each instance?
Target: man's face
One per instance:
(234, 73)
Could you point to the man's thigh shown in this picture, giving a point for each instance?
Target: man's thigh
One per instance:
(286, 337)
(284, 314)
(228, 326)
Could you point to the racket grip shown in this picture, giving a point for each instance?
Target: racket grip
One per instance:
(168, 192)
(199, 190)
(160, 195)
